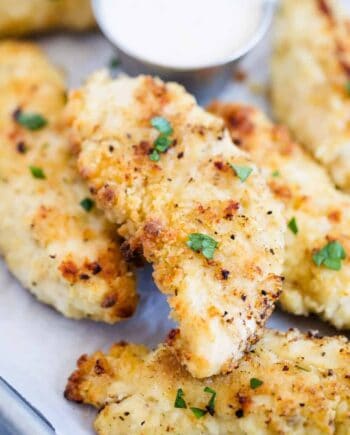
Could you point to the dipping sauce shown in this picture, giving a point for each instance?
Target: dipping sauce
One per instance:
(180, 33)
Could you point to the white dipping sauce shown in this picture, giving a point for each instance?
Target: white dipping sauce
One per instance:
(180, 33)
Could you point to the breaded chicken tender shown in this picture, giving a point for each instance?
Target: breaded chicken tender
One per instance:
(160, 167)
(317, 214)
(52, 237)
(21, 17)
(311, 81)
(289, 384)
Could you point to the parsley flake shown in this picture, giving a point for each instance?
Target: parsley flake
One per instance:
(114, 62)
(242, 172)
(293, 226)
(330, 256)
(179, 401)
(276, 173)
(347, 87)
(162, 125)
(31, 121)
(211, 404)
(202, 243)
(255, 383)
(37, 172)
(87, 204)
(163, 141)
(198, 412)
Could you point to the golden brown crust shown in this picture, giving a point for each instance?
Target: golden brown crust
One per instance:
(305, 389)
(159, 204)
(322, 213)
(66, 256)
(22, 17)
(310, 75)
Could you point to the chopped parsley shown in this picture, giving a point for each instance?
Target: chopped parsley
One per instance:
(37, 172)
(255, 383)
(211, 404)
(293, 226)
(162, 125)
(276, 173)
(154, 156)
(163, 141)
(242, 172)
(179, 401)
(31, 121)
(114, 62)
(347, 87)
(330, 256)
(202, 243)
(87, 204)
(198, 412)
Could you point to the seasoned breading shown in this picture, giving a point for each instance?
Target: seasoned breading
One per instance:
(220, 303)
(322, 214)
(289, 384)
(66, 256)
(310, 80)
(21, 17)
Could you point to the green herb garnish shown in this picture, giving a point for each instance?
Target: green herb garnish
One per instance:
(330, 256)
(163, 141)
(202, 243)
(198, 412)
(31, 121)
(154, 156)
(293, 226)
(162, 125)
(242, 172)
(179, 401)
(37, 172)
(276, 173)
(211, 404)
(114, 62)
(347, 87)
(255, 383)
(87, 204)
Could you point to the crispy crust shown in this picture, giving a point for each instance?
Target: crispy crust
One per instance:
(22, 17)
(306, 389)
(310, 74)
(160, 204)
(65, 256)
(322, 213)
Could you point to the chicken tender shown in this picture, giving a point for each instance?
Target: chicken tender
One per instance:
(21, 17)
(52, 237)
(317, 215)
(289, 384)
(192, 203)
(311, 81)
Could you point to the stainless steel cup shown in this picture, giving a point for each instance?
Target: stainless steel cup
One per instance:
(204, 82)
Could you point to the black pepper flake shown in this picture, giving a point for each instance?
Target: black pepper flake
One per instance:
(263, 292)
(239, 413)
(126, 413)
(111, 148)
(232, 237)
(180, 155)
(96, 268)
(243, 297)
(272, 251)
(269, 212)
(302, 404)
(225, 273)
(52, 256)
(143, 422)
(285, 368)
(84, 277)
(21, 147)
